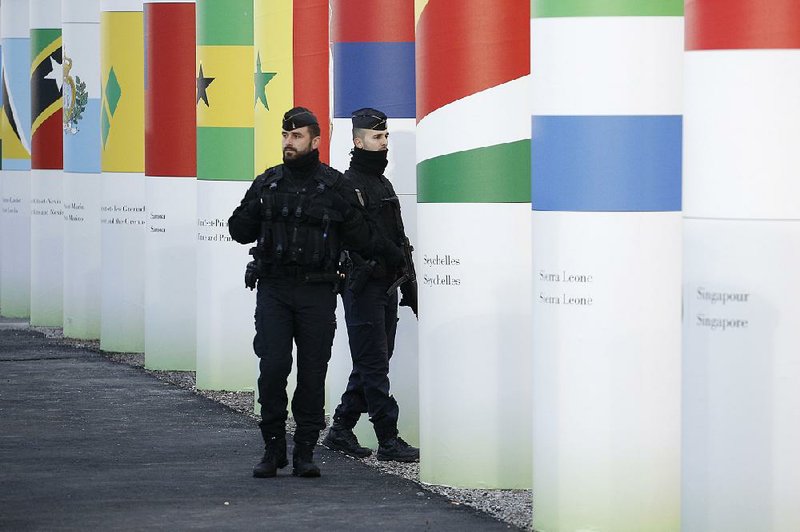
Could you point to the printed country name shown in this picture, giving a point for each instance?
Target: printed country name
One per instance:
(564, 277)
(440, 260)
(120, 221)
(720, 324)
(123, 208)
(722, 297)
(216, 237)
(564, 299)
(440, 280)
(212, 222)
(74, 206)
(156, 217)
(12, 200)
(10, 210)
(47, 212)
(45, 201)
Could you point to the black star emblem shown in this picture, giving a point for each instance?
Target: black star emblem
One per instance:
(202, 85)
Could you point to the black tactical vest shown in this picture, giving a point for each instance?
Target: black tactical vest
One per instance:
(299, 230)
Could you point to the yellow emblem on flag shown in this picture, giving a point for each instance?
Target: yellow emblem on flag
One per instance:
(273, 54)
(228, 87)
(122, 91)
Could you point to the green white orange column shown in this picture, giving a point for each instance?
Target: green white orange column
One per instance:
(123, 217)
(473, 257)
(606, 227)
(225, 156)
(170, 185)
(741, 370)
(15, 185)
(82, 178)
(47, 214)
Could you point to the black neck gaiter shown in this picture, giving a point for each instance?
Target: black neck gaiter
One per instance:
(369, 162)
(304, 166)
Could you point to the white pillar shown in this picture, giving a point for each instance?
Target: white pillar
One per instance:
(15, 122)
(741, 373)
(82, 179)
(473, 253)
(606, 197)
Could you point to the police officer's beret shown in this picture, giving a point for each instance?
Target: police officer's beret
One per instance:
(298, 117)
(369, 118)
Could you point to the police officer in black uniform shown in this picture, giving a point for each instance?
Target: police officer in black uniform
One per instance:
(297, 215)
(371, 301)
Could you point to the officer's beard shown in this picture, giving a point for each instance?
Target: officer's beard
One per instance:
(303, 165)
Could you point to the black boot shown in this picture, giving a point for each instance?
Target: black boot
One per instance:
(274, 458)
(397, 450)
(342, 439)
(303, 460)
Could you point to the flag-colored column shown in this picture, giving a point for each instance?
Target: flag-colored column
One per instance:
(170, 169)
(82, 179)
(373, 66)
(606, 197)
(741, 370)
(15, 185)
(47, 214)
(473, 253)
(291, 62)
(123, 217)
(225, 109)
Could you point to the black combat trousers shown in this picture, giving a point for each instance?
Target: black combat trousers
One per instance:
(371, 317)
(288, 310)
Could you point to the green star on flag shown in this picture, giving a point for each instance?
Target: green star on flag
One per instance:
(261, 79)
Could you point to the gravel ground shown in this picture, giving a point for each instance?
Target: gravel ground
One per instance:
(511, 506)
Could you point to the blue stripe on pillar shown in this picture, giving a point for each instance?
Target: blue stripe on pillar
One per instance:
(606, 163)
(374, 74)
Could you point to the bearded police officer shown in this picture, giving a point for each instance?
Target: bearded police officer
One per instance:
(371, 301)
(297, 215)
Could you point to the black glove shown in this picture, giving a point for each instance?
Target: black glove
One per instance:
(408, 291)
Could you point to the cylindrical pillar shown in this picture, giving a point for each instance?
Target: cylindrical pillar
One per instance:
(123, 219)
(15, 185)
(224, 104)
(606, 197)
(473, 154)
(741, 370)
(292, 61)
(82, 179)
(373, 66)
(170, 186)
(47, 213)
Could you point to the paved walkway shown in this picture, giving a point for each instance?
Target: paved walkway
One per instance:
(87, 444)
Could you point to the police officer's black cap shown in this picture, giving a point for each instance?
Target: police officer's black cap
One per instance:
(298, 117)
(369, 118)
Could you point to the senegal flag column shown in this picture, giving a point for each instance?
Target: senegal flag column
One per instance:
(291, 61)
(15, 123)
(473, 153)
(373, 66)
(82, 179)
(741, 369)
(47, 215)
(225, 100)
(123, 197)
(606, 195)
(170, 241)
